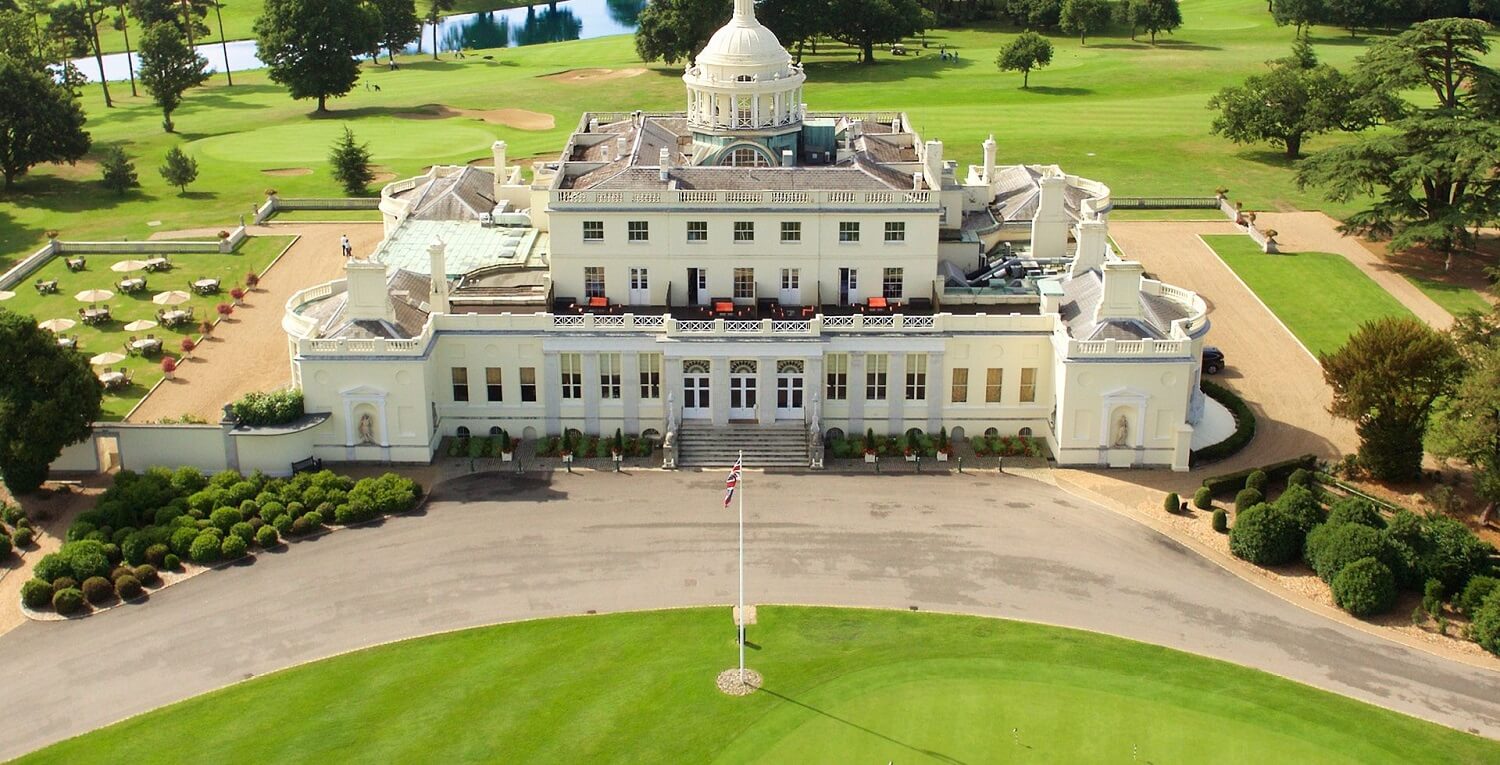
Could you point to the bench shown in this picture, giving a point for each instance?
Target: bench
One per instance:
(311, 464)
(68, 486)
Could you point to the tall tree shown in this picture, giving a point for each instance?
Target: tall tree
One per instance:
(178, 169)
(1084, 17)
(1027, 52)
(168, 68)
(49, 398)
(1432, 172)
(351, 163)
(675, 30)
(189, 16)
(867, 23)
(795, 22)
(79, 24)
(312, 46)
(399, 25)
(1386, 379)
(1298, 98)
(40, 121)
(1467, 425)
(435, 10)
(21, 40)
(1300, 14)
(121, 22)
(1157, 16)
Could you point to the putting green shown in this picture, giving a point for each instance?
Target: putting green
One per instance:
(309, 141)
(841, 685)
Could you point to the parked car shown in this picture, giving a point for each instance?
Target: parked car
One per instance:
(1213, 359)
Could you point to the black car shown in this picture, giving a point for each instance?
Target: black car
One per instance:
(1213, 359)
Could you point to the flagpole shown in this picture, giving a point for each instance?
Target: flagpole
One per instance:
(741, 619)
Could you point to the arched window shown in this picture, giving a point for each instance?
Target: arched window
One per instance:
(651, 435)
(745, 156)
(834, 434)
(1025, 433)
(991, 432)
(463, 432)
(495, 430)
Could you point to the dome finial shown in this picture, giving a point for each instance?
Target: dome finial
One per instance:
(744, 9)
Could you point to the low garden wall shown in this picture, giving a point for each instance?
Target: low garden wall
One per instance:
(275, 204)
(54, 247)
(211, 448)
(1266, 239)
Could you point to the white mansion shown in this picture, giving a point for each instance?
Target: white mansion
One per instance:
(748, 266)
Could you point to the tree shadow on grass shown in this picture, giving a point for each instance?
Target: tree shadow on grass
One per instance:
(1270, 157)
(1048, 90)
(939, 756)
(884, 69)
(16, 239)
(63, 195)
(1184, 45)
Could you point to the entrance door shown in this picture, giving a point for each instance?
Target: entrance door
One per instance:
(695, 404)
(640, 288)
(791, 286)
(742, 390)
(789, 396)
(848, 286)
(698, 286)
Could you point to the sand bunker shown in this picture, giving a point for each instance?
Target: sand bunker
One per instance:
(519, 119)
(83, 169)
(382, 174)
(288, 171)
(591, 75)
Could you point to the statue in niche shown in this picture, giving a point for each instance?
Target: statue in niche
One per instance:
(1122, 432)
(367, 430)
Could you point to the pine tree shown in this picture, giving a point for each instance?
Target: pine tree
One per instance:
(119, 171)
(179, 169)
(351, 163)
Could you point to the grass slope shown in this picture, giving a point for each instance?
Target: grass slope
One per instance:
(841, 686)
(1124, 112)
(1322, 298)
(1455, 298)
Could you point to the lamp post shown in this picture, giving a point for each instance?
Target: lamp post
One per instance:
(223, 46)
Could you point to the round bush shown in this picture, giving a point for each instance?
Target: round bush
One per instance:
(134, 548)
(314, 519)
(67, 601)
(1355, 510)
(97, 589)
(224, 518)
(1302, 505)
(284, 523)
(1300, 477)
(112, 554)
(1485, 628)
(233, 547)
(146, 574)
(1365, 587)
(128, 587)
(1203, 498)
(23, 537)
(119, 571)
(267, 537)
(172, 562)
(244, 531)
(182, 541)
(255, 524)
(1257, 481)
(36, 593)
(1475, 593)
(296, 508)
(1247, 498)
(270, 510)
(64, 582)
(5, 545)
(1221, 520)
(206, 548)
(1265, 536)
(1172, 503)
(1330, 548)
(157, 554)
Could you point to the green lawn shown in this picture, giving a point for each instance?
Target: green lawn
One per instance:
(841, 686)
(1322, 298)
(253, 255)
(1455, 298)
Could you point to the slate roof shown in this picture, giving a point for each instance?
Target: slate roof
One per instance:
(408, 291)
(461, 196)
(1081, 296)
(1018, 190)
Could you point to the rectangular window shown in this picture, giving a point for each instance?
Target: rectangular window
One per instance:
(993, 378)
(639, 279)
(848, 231)
(895, 231)
(916, 377)
(877, 368)
(650, 364)
(892, 286)
(528, 384)
(791, 231)
(744, 283)
(744, 231)
(638, 231)
(460, 384)
(593, 281)
(492, 387)
(609, 375)
(960, 385)
(791, 278)
(572, 375)
(697, 231)
(593, 231)
(838, 376)
(1028, 384)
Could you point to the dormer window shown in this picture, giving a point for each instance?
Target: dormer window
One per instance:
(745, 156)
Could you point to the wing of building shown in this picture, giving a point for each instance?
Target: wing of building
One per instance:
(750, 262)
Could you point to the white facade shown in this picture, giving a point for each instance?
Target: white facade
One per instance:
(660, 275)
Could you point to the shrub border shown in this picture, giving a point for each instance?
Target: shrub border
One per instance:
(1229, 483)
(1244, 426)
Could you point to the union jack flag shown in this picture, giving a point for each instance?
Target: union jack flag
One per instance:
(732, 482)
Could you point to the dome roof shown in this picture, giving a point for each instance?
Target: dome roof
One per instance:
(745, 44)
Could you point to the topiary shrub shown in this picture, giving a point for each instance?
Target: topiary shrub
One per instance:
(267, 537)
(1265, 536)
(1450, 552)
(284, 523)
(23, 536)
(1485, 628)
(1365, 587)
(5, 545)
(1475, 593)
(1331, 548)
(128, 587)
(181, 542)
(156, 555)
(1172, 503)
(119, 571)
(97, 590)
(1302, 505)
(36, 593)
(112, 553)
(224, 518)
(68, 601)
(1248, 498)
(1300, 477)
(1221, 520)
(206, 548)
(1203, 499)
(233, 547)
(146, 575)
(64, 582)
(172, 562)
(1355, 510)
(244, 531)
(1257, 480)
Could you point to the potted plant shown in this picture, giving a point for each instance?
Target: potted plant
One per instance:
(507, 448)
(223, 234)
(909, 453)
(169, 367)
(944, 449)
(869, 445)
(187, 345)
(238, 293)
(567, 448)
(251, 280)
(53, 233)
(205, 328)
(224, 309)
(617, 446)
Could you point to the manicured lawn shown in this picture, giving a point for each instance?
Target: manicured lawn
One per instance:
(1455, 298)
(1322, 298)
(841, 686)
(1124, 112)
(253, 255)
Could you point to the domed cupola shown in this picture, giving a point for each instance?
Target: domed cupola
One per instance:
(744, 81)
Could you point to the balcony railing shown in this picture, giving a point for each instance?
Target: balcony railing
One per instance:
(565, 198)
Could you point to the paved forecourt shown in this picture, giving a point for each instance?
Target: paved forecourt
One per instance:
(494, 547)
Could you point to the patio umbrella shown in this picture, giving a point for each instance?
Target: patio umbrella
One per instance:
(126, 266)
(93, 296)
(140, 325)
(58, 325)
(6, 294)
(106, 358)
(173, 297)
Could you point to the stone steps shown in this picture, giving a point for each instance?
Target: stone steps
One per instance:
(703, 445)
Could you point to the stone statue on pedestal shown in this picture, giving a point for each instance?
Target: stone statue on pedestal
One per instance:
(1122, 432)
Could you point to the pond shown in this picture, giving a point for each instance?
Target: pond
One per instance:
(529, 25)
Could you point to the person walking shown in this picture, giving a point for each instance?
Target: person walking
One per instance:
(346, 246)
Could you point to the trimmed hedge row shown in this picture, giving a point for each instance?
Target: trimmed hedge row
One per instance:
(1244, 426)
(1229, 483)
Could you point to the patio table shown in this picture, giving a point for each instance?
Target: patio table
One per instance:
(111, 379)
(147, 345)
(158, 264)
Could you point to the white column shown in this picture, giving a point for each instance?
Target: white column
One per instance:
(765, 396)
(935, 391)
(718, 395)
(630, 392)
(895, 390)
(551, 393)
(591, 393)
(856, 391)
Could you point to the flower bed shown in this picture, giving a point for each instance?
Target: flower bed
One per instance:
(586, 446)
(157, 521)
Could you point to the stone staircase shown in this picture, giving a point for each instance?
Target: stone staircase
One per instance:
(701, 444)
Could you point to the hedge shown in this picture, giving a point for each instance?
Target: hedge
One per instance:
(1365, 587)
(1330, 548)
(1229, 483)
(1475, 592)
(36, 593)
(67, 601)
(1485, 628)
(1265, 535)
(128, 587)
(1244, 426)
(97, 589)
(274, 408)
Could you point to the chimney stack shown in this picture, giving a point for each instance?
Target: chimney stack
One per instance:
(368, 298)
(1049, 229)
(498, 149)
(437, 299)
(1122, 291)
(989, 160)
(786, 158)
(1092, 235)
(932, 164)
(916, 181)
(622, 145)
(665, 164)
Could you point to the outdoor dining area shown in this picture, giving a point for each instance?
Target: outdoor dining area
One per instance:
(206, 286)
(111, 379)
(77, 264)
(150, 345)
